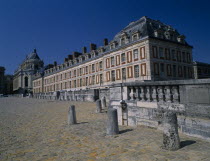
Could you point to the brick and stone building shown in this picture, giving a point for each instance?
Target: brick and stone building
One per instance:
(145, 50)
(22, 82)
(201, 70)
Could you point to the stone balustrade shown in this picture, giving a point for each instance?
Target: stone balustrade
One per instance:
(151, 93)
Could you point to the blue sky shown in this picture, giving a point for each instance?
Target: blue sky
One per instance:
(56, 28)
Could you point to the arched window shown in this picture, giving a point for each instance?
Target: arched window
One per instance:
(26, 81)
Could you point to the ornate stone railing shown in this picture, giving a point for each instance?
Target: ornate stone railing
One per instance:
(153, 93)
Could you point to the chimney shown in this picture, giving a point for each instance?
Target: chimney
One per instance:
(34, 50)
(76, 54)
(92, 47)
(105, 42)
(66, 59)
(70, 57)
(55, 63)
(84, 50)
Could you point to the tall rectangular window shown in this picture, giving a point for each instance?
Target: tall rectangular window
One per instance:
(123, 73)
(142, 53)
(93, 67)
(100, 65)
(174, 70)
(183, 57)
(136, 71)
(173, 55)
(162, 66)
(167, 53)
(161, 54)
(113, 75)
(112, 61)
(154, 52)
(101, 78)
(123, 57)
(86, 69)
(135, 54)
(156, 68)
(93, 79)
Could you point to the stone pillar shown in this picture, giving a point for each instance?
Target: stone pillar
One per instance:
(167, 92)
(170, 131)
(98, 106)
(112, 122)
(103, 102)
(72, 115)
(142, 94)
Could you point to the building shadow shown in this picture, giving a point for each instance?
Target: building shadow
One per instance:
(82, 122)
(126, 130)
(186, 143)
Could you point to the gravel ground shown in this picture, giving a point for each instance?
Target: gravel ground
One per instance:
(32, 129)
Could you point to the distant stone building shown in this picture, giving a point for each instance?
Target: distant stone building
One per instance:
(8, 79)
(2, 70)
(145, 50)
(22, 82)
(201, 70)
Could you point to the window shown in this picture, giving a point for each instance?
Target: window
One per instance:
(129, 56)
(185, 71)
(118, 60)
(75, 72)
(156, 68)
(123, 73)
(118, 74)
(93, 67)
(162, 66)
(80, 82)
(123, 57)
(168, 69)
(180, 71)
(80, 71)
(113, 75)
(107, 62)
(174, 70)
(75, 83)
(142, 52)
(101, 78)
(178, 56)
(122, 41)
(183, 57)
(86, 81)
(154, 52)
(188, 58)
(135, 37)
(112, 61)
(93, 79)
(136, 71)
(167, 53)
(130, 72)
(108, 76)
(86, 69)
(100, 65)
(143, 69)
(173, 55)
(135, 54)
(161, 52)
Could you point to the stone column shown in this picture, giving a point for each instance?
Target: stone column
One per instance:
(112, 122)
(72, 115)
(98, 106)
(170, 131)
(142, 94)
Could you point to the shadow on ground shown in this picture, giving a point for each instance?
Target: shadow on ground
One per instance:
(186, 143)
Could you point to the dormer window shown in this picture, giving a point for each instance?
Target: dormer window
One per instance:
(135, 36)
(181, 38)
(122, 41)
(167, 35)
(112, 46)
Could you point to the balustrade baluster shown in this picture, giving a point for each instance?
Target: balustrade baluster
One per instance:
(160, 94)
(142, 94)
(167, 91)
(154, 94)
(175, 94)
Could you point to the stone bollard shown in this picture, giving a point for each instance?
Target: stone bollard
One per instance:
(112, 122)
(103, 102)
(72, 115)
(98, 106)
(170, 132)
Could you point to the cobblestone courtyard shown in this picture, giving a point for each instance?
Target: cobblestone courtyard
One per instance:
(33, 129)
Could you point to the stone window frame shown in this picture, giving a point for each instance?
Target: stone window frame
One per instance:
(143, 72)
(130, 72)
(161, 52)
(129, 57)
(142, 53)
(113, 75)
(124, 74)
(107, 62)
(169, 70)
(108, 76)
(112, 61)
(118, 74)
(101, 65)
(117, 60)
(137, 36)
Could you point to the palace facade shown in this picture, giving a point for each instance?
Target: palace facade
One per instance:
(145, 50)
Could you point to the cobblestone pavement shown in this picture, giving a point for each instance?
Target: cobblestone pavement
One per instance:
(33, 129)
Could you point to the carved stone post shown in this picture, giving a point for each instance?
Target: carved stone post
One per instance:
(98, 106)
(72, 115)
(167, 94)
(131, 94)
(154, 94)
(137, 93)
(112, 122)
(103, 102)
(142, 94)
(148, 94)
(170, 133)
(175, 94)
(160, 93)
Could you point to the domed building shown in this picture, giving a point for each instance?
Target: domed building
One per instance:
(22, 82)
